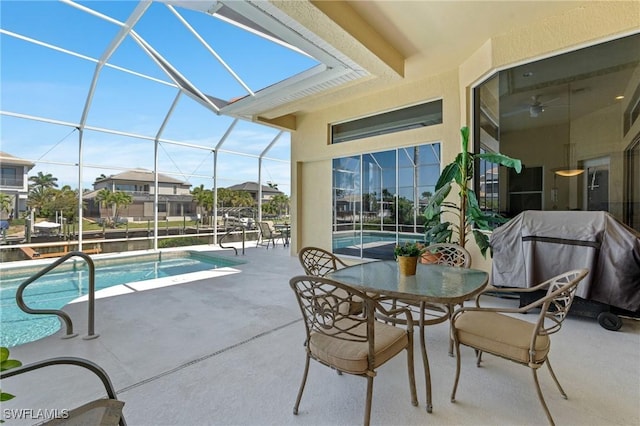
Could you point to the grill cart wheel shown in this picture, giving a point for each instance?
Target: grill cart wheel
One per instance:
(609, 321)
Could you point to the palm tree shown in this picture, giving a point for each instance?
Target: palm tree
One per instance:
(38, 198)
(102, 197)
(120, 199)
(224, 197)
(204, 200)
(115, 200)
(42, 180)
(280, 203)
(231, 198)
(5, 202)
(241, 199)
(470, 218)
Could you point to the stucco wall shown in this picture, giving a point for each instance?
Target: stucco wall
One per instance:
(311, 151)
(311, 154)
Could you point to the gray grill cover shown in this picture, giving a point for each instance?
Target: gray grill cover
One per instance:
(537, 245)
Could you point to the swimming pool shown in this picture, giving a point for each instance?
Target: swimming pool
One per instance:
(370, 244)
(71, 280)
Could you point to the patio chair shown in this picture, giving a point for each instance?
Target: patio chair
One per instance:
(319, 262)
(352, 343)
(447, 254)
(440, 254)
(268, 234)
(523, 342)
(102, 411)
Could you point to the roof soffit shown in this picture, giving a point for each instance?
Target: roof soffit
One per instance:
(336, 69)
(433, 36)
(336, 28)
(11, 160)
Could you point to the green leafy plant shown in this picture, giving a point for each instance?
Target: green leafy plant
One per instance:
(471, 219)
(408, 249)
(7, 364)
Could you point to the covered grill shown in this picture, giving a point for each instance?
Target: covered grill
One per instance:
(537, 245)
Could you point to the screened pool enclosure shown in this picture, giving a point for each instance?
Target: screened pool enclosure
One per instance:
(92, 90)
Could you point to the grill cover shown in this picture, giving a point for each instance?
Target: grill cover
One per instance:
(537, 245)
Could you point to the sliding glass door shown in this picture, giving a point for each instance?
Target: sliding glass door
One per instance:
(378, 199)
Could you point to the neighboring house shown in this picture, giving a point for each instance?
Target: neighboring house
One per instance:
(14, 182)
(174, 196)
(252, 188)
(347, 207)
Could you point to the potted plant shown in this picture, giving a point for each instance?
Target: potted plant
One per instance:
(7, 364)
(471, 219)
(407, 255)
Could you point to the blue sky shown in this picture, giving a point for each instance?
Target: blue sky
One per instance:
(46, 83)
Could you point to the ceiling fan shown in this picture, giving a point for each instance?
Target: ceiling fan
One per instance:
(535, 108)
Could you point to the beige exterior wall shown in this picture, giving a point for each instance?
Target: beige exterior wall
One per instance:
(312, 155)
(168, 189)
(311, 149)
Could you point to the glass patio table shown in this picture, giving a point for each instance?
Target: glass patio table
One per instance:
(431, 284)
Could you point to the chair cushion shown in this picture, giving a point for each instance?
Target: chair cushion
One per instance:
(500, 335)
(351, 357)
(103, 412)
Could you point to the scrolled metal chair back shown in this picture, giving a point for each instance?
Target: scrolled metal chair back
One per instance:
(318, 262)
(265, 230)
(559, 297)
(325, 308)
(450, 254)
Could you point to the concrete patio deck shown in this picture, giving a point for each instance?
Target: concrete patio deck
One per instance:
(228, 351)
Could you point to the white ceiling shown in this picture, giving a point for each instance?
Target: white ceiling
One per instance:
(447, 32)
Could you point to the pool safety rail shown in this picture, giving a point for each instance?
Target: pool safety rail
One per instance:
(61, 314)
(228, 233)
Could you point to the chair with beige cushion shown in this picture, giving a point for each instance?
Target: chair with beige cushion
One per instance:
(102, 411)
(439, 254)
(498, 332)
(268, 234)
(352, 343)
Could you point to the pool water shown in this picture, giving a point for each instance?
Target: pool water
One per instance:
(71, 280)
(352, 239)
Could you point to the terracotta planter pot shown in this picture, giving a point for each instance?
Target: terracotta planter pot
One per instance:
(428, 257)
(407, 265)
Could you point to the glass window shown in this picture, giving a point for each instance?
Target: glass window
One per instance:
(572, 120)
(378, 199)
(632, 189)
(9, 176)
(422, 115)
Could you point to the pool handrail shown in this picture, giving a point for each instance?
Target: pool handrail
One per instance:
(61, 314)
(235, 228)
